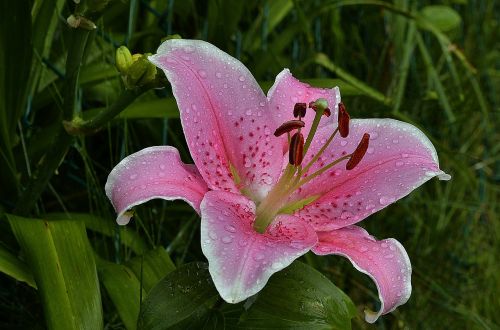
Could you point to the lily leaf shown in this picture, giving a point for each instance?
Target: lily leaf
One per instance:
(181, 300)
(300, 297)
(62, 262)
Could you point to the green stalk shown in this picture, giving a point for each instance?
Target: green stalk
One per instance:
(80, 127)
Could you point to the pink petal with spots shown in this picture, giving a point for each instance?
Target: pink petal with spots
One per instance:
(399, 159)
(240, 259)
(287, 91)
(386, 262)
(224, 114)
(155, 172)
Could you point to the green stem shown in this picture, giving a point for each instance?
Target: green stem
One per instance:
(320, 152)
(314, 127)
(92, 125)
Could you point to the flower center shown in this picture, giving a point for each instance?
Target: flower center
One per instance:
(295, 174)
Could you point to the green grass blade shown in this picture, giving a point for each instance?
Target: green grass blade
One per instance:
(15, 268)
(433, 75)
(152, 267)
(324, 61)
(124, 289)
(62, 262)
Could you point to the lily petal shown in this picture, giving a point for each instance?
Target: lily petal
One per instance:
(155, 172)
(224, 115)
(288, 90)
(240, 259)
(399, 159)
(386, 262)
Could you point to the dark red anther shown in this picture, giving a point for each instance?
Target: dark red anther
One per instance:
(296, 151)
(326, 112)
(343, 121)
(299, 110)
(288, 127)
(359, 153)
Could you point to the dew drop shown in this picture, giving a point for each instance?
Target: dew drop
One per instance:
(369, 150)
(389, 256)
(373, 135)
(241, 78)
(398, 164)
(230, 228)
(218, 75)
(133, 176)
(345, 215)
(384, 200)
(212, 235)
(258, 256)
(162, 166)
(343, 143)
(202, 73)
(227, 239)
(363, 249)
(395, 141)
(248, 112)
(188, 49)
(276, 265)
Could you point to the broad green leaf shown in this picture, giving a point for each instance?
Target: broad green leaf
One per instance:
(108, 227)
(124, 289)
(62, 262)
(300, 297)
(181, 300)
(444, 18)
(152, 267)
(15, 268)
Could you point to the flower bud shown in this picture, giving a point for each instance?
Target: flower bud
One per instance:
(123, 59)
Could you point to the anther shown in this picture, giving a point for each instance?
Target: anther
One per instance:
(359, 153)
(343, 121)
(299, 110)
(296, 151)
(327, 112)
(289, 126)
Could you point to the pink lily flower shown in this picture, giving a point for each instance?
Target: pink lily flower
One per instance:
(266, 200)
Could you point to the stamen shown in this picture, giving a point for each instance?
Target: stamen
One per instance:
(343, 121)
(288, 127)
(326, 111)
(296, 151)
(358, 154)
(299, 110)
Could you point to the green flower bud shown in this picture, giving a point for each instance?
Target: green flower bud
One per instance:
(140, 73)
(123, 59)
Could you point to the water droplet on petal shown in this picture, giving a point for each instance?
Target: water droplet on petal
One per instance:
(202, 73)
(343, 143)
(373, 135)
(369, 150)
(398, 164)
(384, 200)
(258, 256)
(212, 235)
(230, 228)
(133, 176)
(218, 75)
(188, 49)
(277, 265)
(345, 215)
(227, 239)
(248, 112)
(241, 78)
(162, 166)
(363, 249)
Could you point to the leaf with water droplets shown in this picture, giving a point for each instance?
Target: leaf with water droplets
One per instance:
(183, 299)
(300, 297)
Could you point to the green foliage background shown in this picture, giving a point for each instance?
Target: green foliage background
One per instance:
(435, 66)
